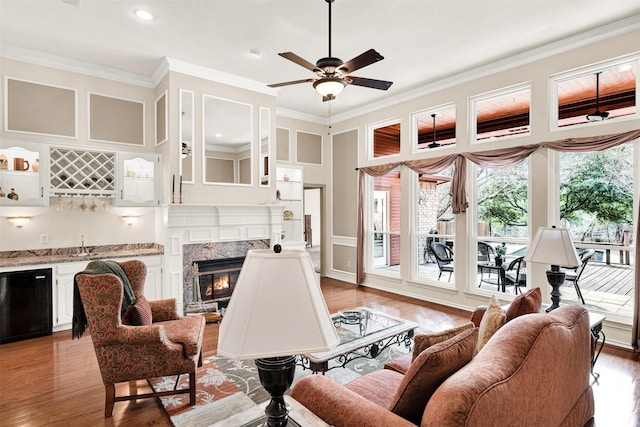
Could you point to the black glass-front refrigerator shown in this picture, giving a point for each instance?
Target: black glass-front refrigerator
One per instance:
(25, 304)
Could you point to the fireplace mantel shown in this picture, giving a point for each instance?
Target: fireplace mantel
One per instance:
(202, 225)
(219, 223)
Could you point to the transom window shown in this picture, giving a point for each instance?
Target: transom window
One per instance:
(384, 139)
(501, 114)
(434, 128)
(595, 94)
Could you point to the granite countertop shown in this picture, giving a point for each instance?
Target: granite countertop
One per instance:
(61, 255)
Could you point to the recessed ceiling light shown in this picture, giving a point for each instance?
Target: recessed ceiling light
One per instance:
(145, 15)
(255, 52)
(218, 135)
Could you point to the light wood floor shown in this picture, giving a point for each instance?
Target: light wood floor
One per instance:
(55, 381)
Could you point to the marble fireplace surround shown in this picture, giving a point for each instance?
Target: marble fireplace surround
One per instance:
(206, 232)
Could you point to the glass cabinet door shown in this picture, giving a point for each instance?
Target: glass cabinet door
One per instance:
(138, 178)
(23, 173)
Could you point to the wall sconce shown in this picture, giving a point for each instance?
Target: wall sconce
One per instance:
(19, 221)
(129, 219)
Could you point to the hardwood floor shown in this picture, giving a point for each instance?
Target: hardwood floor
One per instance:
(55, 381)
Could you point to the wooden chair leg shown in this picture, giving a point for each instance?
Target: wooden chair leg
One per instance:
(200, 359)
(110, 397)
(192, 388)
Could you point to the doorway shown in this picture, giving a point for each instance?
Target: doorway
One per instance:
(313, 225)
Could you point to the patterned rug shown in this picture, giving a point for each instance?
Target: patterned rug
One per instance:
(226, 387)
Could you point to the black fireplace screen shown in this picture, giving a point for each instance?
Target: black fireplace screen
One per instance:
(217, 278)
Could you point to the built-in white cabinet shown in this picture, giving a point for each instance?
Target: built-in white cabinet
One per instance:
(23, 174)
(138, 183)
(290, 187)
(63, 287)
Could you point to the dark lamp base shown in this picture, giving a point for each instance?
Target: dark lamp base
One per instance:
(276, 375)
(556, 279)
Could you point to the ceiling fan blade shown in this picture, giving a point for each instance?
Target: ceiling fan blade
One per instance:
(367, 58)
(300, 61)
(294, 82)
(372, 83)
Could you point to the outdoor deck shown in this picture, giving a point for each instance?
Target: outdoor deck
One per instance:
(607, 288)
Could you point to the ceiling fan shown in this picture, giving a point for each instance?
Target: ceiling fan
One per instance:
(333, 74)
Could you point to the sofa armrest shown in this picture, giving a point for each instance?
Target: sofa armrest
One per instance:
(476, 316)
(163, 310)
(340, 407)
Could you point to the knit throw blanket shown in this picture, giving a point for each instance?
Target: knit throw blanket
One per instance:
(79, 323)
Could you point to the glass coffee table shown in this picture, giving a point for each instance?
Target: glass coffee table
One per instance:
(363, 333)
(299, 416)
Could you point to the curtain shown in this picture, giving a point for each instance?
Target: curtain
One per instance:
(594, 143)
(373, 171)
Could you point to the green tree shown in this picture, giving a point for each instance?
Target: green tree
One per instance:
(502, 197)
(596, 191)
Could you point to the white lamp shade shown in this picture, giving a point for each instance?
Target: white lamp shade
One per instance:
(552, 246)
(276, 309)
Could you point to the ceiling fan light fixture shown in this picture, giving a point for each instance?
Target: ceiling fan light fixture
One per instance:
(598, 116)
(329, 86)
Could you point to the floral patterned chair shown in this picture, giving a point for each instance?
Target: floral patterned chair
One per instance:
(166, 344)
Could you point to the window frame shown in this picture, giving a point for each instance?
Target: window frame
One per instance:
(473, 112)
(563, 76)
(427, 112)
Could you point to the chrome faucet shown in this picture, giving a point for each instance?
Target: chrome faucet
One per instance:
(81, 250)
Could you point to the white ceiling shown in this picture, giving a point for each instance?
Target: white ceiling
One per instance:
(423, 41)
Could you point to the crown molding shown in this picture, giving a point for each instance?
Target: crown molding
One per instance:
(71, 65)
(194, 70)
(561, 46)
(297, 115)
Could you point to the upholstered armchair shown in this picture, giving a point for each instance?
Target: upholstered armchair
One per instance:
(164, 345)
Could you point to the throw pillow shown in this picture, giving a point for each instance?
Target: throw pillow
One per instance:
(140, 312)
(492, 320)
(529, 302)
(429, 370)
(422, 342)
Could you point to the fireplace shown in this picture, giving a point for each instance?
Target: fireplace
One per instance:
(216, 279)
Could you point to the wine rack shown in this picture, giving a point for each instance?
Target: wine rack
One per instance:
(82, 172)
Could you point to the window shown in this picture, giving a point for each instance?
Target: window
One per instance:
(596, 205)
(384, 139)
(435, 223)
(385, 222)
(500, 114)
(607, 88)
(428, 136)
(502, 214)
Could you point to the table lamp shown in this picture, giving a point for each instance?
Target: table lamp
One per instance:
(553, 246)
(276, 312)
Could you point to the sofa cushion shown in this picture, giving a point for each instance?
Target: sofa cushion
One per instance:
(429, 370)
(527, 303)
(139, 313)
(492, 320)
(422, 342)
(377, 386)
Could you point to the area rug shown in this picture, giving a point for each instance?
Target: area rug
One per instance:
(226, 387)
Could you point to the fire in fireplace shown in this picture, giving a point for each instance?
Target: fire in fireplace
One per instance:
(217, 278)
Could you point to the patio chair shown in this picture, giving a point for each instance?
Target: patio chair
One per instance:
(485, 252)
(572, 275)
(444, 258)
(516, 274)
